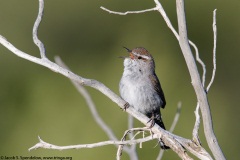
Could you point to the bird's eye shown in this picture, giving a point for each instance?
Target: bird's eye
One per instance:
(141, 58)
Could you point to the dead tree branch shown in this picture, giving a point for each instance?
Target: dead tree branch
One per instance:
(43, 144)
(196, 82)
(214, 49)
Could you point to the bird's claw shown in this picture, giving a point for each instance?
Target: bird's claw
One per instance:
(126, 106)
(152, 121)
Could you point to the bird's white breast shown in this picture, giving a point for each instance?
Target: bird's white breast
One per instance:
(136, 88)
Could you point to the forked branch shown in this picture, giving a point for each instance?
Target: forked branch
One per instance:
(197, 85)
(43, 144)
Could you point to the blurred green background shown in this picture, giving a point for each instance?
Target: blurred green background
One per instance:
(36, 101)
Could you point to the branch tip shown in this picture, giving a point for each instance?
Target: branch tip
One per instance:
(214, 25)
(129, 12)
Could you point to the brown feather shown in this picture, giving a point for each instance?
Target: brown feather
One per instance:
(158, 88)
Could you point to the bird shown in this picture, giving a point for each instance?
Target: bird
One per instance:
(140, 87)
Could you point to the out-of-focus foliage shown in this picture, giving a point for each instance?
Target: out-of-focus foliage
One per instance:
(36, 101)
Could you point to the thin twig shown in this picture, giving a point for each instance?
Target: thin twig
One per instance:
(119, 151)
(128, 12)
(43, 144)
(35, 30)
(195, 134)
(214, 50)
(200, 62)
(128, 132)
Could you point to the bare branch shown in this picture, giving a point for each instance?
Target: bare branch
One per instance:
(196, 126)
(119, 151)
(214, 49)
(128, 12)
(196, 150)
(128, 132)
(43, 144)
(196, 82)
(197, 122)
(35, 30)
(200, 62)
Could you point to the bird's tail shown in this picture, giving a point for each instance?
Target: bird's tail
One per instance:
(161, 124)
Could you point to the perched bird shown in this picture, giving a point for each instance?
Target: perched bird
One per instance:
(140, 87)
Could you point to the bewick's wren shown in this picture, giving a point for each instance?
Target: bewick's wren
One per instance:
(140, 87)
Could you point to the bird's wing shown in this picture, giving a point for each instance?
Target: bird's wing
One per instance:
(157, 88)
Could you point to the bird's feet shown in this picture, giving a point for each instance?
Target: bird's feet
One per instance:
(152, 120)
(126, 106)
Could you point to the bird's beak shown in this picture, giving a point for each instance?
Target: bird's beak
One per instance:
(123, 57)
(129, 50)
(130, 53)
